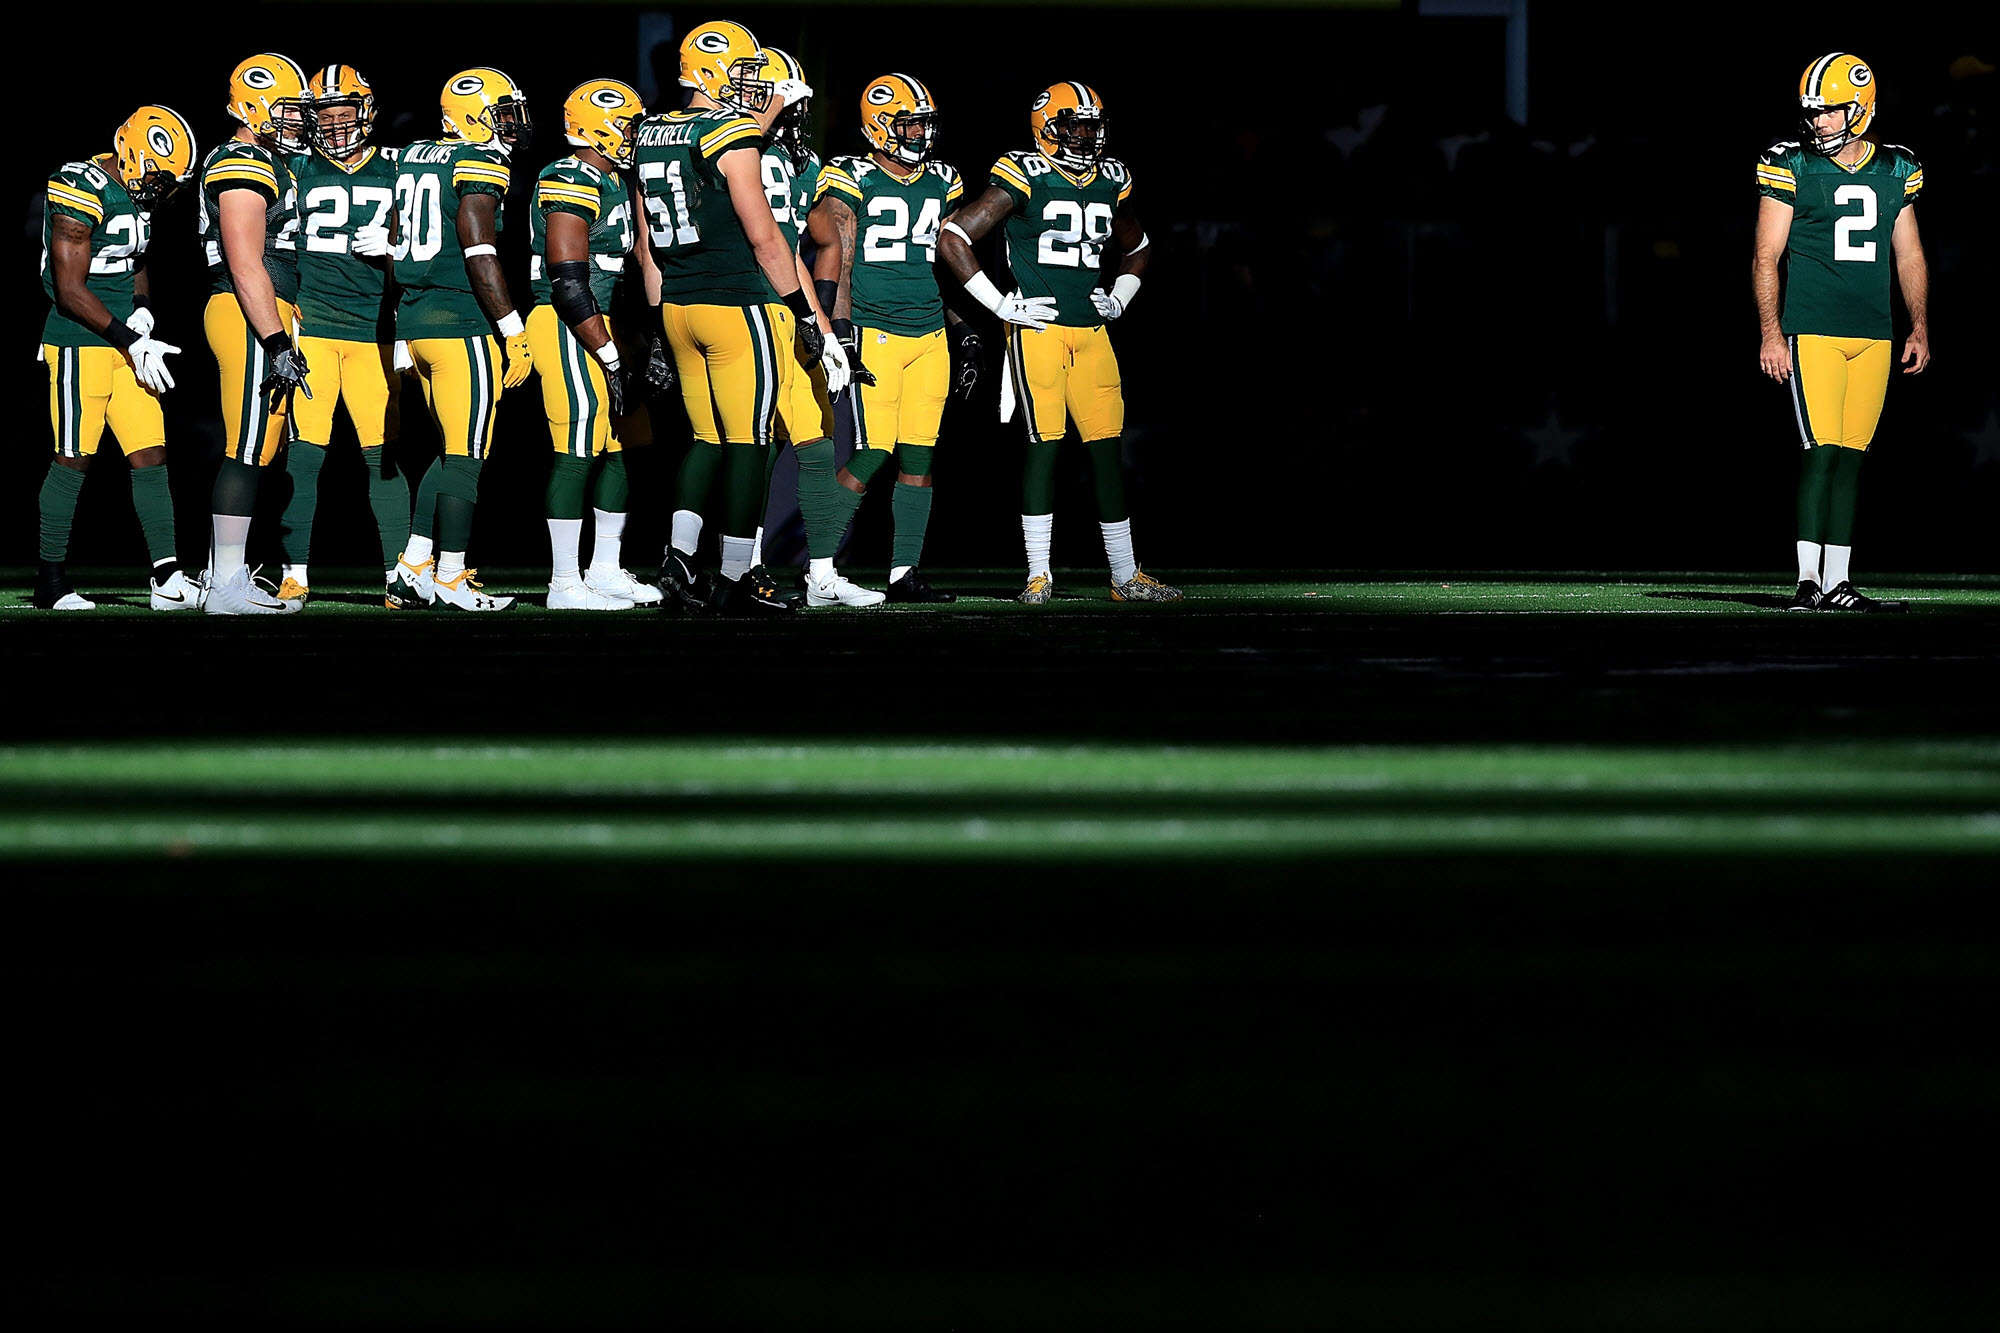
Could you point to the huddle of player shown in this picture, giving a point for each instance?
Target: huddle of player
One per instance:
(337, 266)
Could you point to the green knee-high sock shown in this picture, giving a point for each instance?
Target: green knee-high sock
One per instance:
(60, 490)
(697, 479)
(423, 518)
(235, 491)
(1107, 467)
(1038, 477)
(303, 461)
(613, 491)
(567, 481)
(1815, 486)
(820, 500)
(743, 490)
(153, 501)
(1843, 492)
(862, 467)
(910, 506)
(458, 492)
(389, 499)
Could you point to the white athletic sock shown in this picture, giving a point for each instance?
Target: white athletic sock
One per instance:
(298, 572)
(230, 534)
(899, 571)
(820, 569)
(416, 551)
(757, 546)
(735, 557)
(564, 536)
(1836, 564)
(450, 565)
(1809, 561)
(604, 552)
(687, 532)
(1037, 531)
(1118, 550)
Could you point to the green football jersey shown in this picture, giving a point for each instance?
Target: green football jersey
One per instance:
(432, 175)
(1056, 233)
(344, 295)
(91, 193)
(600, 199)
(892, 286)
(697, 239)
(790, 187)
(1839, 255)
(235, 165)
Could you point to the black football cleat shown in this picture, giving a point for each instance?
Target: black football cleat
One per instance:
(685, 591)
(1842, 597)
(914, 587)
(755, 594)
(1806, 598)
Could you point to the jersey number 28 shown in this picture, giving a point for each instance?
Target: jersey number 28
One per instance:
(1076, 233)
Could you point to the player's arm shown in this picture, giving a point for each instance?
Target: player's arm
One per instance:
(569, 280)
(969, 224)
(831, 224)
(743, 171)
(478, 239)
(1913, 274)
(1135, 252)
(1774, 227)
(659, 373)
(241, 220)
(69, 257)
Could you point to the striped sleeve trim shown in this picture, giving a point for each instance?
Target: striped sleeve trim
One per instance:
(1125, 190)
(1012, 175)
(732, 135)
(1781, 180)
(479, 171)
(577, 195)
(839, 181)
(1914, 183)
(954, 189)
(77, 199)
(249, 166)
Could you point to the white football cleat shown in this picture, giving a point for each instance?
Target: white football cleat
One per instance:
(577, 595)
(242, 595)
(71, 601)
(411, 587)
(466, 593)
(620, 583)
(841, 591)
(178, 593)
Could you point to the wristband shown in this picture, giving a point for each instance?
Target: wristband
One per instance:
(826, 289)
(608, 354)
(799, 306)
(1123, 290)
(277, 344)
(474, 251)
(510, 324)
(120, 334)
(140, 301)
(981, 289)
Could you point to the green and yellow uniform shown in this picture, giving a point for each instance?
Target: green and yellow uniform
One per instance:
(722, 319)
(1055, 243)
(805, 414)
(897, 311)
(251, 432)
(90, 382)
(347, 317)
(1839, 260)
(451, 340)
(574, 394)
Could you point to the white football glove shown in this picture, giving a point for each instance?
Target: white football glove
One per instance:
(371, 242)
(838, 373)
(1030, 312)
(140, 321)
(1107, 305)
(402, 360)
(792, 91)
(149, 363)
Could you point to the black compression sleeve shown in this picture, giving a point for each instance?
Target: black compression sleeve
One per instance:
(569, 292)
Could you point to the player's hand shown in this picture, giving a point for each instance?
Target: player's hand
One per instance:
(812, 343)
(849, 338)
(1775, 357)
(401, 360)
(1108, 307)
(659, 368)
(790, 92)
(520, 362)
(838, 373)
(149, 361)
(1917, 349)
(370, 242)
(288, 372)
(1030, 312)
(965, 347)
(140, 321)
(614, 384)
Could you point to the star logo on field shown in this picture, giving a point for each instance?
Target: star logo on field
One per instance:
(1985, 441)
(1552, 443)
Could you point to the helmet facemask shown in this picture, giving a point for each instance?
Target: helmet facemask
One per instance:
(511, 124)
(749, 90)
(291, 125)
(1078, 135)
(341, 126)
(912, 136)
(1851, 125)
(789, 131)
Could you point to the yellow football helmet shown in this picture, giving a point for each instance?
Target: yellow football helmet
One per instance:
(899, 118)
(722, 60)
(268, 94)
(334, 88)
(481, 105)
(604, 114)
(1068, 123)
(788, 131)
(1837, 82)
(155, 153)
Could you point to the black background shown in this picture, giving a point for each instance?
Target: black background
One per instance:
(1340, 359)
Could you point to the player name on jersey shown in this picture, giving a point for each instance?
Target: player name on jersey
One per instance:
(697, 240)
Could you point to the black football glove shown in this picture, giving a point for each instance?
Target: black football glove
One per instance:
(850, 338)
(964, 361)
(614, 391)
(812, 343)
(288, 372)
(657, 371)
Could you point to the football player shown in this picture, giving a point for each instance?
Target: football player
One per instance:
(805, 414)
(247, 220)
(717, 256)
(1061, 201)
(581, 230)
(1841, 208)
(105, 365)
(452, 298)
(885, 306)
(347, 319)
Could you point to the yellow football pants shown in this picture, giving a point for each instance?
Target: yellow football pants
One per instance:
(575, 397)
(361, 374)
(906, 401)
(1838, 385)
(461, 378)
(90, 386)
(1066, 370)
(735, 364)
(250, 432)
(805, 414)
